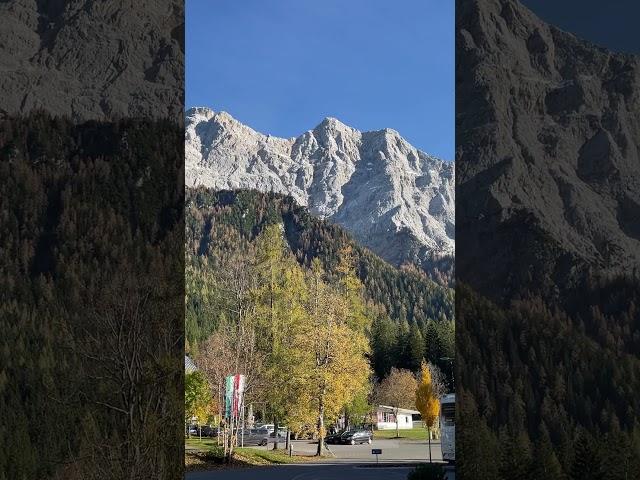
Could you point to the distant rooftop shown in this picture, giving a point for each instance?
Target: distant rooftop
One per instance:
(387, 408)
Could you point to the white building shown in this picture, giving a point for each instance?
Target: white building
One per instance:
(386, 418)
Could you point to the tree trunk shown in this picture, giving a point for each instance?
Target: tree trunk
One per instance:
(320, 451)
(429, 436)
(230, 438)
(286, 445)
(275, 434)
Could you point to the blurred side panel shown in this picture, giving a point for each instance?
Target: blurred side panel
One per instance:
(548, 249)
(91, 239)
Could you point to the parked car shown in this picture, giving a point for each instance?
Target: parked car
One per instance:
(260, 436)
(335, 438)
(356, 437)
(249, 437)
(267, 426)
(209, 431)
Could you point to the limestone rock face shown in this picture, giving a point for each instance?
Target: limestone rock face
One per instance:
(93, 60)
(393, 198)
(548, 169)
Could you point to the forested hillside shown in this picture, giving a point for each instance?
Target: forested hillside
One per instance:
(565, 396)
(412, 315)
(90, 299)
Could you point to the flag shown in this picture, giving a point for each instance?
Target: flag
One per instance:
(234, 392)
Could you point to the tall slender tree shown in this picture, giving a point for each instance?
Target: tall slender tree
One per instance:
(427, 401)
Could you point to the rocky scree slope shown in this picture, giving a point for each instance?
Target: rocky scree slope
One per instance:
(391, 197)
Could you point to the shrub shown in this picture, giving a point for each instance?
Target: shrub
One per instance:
(427, 471)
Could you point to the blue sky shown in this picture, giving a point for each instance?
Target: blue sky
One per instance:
(613, 25)
(281, 66)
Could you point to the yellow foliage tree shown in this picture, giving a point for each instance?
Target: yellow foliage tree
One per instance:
(427, 401)
(333, 353)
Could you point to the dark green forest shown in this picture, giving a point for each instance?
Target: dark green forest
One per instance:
(412, 315)
(91, 299)
(551, 391)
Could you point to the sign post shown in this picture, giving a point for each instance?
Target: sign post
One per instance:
(376, 452)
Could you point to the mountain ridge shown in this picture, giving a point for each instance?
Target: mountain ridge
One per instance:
(394, 198)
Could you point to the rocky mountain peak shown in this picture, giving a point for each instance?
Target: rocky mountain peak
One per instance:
(395, 199)
(331, 124)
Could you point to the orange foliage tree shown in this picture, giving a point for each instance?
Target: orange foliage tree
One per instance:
(427, 401)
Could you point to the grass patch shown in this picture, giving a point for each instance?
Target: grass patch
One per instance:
(269, 457)
(411, 434)
(204, 444)
(206, 454)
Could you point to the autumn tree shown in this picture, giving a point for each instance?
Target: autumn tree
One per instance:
(427, 401)
(334, 353)
(280, 309)
(358, 409)
(398, 390)
(197, 397)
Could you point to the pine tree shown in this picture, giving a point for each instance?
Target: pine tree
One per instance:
(545, 464)
(586, 462)
(415, 349)
(383, 342)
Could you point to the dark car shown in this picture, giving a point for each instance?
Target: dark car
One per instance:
(335, 438)
(356, 437)
(209, 431)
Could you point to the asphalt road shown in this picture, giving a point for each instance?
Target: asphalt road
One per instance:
(392, 451)
(352, 462)
(313, 471)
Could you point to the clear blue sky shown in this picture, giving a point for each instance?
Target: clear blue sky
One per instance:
(281, 66)
(613, 25)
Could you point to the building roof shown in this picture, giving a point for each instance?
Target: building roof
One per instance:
(387, 408)
(189, 366)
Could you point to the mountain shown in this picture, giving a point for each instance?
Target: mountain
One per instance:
(93, 60)
(548, 128)
(393, 198)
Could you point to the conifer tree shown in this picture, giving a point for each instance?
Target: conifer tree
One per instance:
(415, 349)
